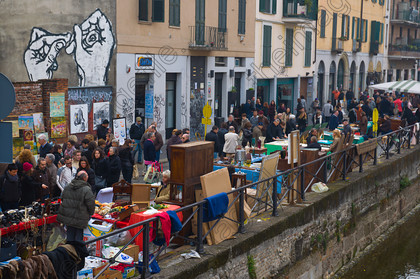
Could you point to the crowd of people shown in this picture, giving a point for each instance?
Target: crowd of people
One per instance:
(104, 160)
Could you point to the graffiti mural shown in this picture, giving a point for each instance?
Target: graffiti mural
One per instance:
(158, 107)
(91, 44)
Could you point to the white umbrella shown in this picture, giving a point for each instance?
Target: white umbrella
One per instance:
(403, 86)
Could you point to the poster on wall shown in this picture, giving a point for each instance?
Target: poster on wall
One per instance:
(26, 122)
(15, 128)
(79, 119)
(28, 135)
(58, 127)
(120, 129)
(39, 123)
(17, 146)
(57, 105)
(100, 113)
(148, 104)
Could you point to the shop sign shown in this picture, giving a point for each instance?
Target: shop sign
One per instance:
(149, 104)
(145, 62)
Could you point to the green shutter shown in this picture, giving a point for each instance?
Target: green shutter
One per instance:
(143, 10)
(222, 15)
(366, 30)
(348, 27)
(308, 48)
(343, 27)
(382, 34)
(262, 6)
(289, 48)
(241, 16)
(358, 29)
(352, 27)
(174, 12)
(267, 46)
(158, 11)
(323, 15)
(334, 32)
(274, 7)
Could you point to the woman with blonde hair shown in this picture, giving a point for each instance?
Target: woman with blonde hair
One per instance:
(336, 141)
(25, 156)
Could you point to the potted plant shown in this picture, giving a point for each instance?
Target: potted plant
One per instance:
(233, 90)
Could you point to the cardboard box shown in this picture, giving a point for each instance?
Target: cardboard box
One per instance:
(96, 270)
(111, 274)
(129, 272)
(132, 251)
(97, 228)
(86, 273)
(128, 212)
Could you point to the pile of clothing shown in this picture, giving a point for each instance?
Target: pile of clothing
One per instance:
(62, 262)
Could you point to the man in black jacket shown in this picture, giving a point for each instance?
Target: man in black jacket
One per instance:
(212, 136)
(136, 132)
(231, 122)
(10, 188)
(274, 131)
(102, 129)
(77, 205)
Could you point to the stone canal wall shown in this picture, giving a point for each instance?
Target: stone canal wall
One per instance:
(315, 241)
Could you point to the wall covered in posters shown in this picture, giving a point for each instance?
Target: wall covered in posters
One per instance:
(89, 96)
(78, 119)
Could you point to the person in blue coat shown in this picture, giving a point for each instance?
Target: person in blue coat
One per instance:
(333, 124)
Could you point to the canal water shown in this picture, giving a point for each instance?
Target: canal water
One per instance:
(397, 257)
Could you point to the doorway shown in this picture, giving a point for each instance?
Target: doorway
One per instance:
(140, 93)
(218, 95)
(170, 107)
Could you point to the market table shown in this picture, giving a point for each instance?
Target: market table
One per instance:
(276, 146)
(139, 217)
(120, 224)
(356, 140)
(27, 225)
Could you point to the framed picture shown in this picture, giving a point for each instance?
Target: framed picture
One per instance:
(79, 119)
(58, 127)
(26, 122)
(57, 105)
(120, 129)
(100, 113)
(39, 123)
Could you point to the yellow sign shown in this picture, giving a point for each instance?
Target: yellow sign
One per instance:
(375, 127)
(207, 112)
(375, 115)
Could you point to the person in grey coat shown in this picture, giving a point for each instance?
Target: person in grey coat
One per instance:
(77, 205)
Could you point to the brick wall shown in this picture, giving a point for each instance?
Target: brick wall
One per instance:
(34, 97)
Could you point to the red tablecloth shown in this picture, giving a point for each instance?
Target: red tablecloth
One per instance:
(138, 217)
(27, 225)
(120, 224)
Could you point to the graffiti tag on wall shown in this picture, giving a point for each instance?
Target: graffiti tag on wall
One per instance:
(91, 44)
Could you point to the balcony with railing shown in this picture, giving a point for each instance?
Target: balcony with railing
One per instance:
(207, 38)
(406, 15)
(410, 50)
(299, 10)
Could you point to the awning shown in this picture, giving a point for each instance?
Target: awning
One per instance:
(404, 86)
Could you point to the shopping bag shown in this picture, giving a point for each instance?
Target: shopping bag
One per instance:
(136, 174)
(150, 174)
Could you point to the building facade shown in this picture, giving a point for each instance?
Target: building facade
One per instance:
(175, 56)
(285, 50)
(351, 46)
(404, 41)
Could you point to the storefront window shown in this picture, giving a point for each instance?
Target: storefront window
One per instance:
(285, 92)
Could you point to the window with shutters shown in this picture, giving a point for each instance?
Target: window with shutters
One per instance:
(308, 48)
(158, 10)
(222, 15)
(289, 48)
(241, 17)
(174, 12)
(143, 10)
(345, 24)
(266, 46)
(268, 6)
(323, 16)
(381, 41)
(365, 30)
(353, 28)
(358, 37)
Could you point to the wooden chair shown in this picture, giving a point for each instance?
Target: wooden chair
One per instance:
(122, 191)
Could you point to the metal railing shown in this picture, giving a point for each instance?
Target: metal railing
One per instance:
(206, 37)
(407, 15)
(329, 168)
